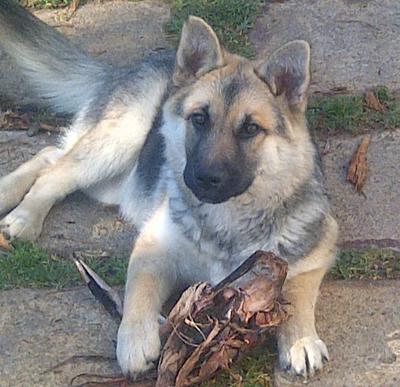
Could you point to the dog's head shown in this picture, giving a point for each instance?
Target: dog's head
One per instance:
(238, 120)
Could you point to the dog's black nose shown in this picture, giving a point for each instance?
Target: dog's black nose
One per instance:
(208, 178)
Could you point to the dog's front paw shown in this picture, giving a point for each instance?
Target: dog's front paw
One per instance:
(138, 346)
(22, 225)
(306, 356)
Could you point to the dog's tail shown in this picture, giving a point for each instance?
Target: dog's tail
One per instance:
(58, 71)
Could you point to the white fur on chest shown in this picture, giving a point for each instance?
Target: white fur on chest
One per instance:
(215, 235)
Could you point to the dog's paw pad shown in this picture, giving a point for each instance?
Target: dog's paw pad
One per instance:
(305, 357)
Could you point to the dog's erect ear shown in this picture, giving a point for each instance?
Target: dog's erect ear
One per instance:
(287, 72)
(199, 52)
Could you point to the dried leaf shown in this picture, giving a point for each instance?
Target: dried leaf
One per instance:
(107, 296)
(210, 327)
(358, 169)
(4, 244)
(49, 127)
(327, 148)
(372, 102)
(13, 120)
(73, 6)
(219, 359)
(213, 327)
(182, 308)
(183, 378)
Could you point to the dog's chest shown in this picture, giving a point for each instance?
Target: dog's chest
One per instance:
(221, 236)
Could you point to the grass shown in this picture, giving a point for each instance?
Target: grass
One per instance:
(231, 19)
(371, 264)
(349, 114)
(30, 266)
(45, 3)
(255, 369)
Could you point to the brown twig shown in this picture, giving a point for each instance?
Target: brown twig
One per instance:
(76, 358)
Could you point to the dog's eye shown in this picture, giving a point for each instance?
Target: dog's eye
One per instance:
(249, 130)
(200, 120)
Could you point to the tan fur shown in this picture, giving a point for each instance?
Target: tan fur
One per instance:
(14, 186)
(323, 256)
(298, 334)
(301, 288)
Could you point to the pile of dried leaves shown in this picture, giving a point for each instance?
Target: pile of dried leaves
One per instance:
(12, 120)
(26, 118)
(211, 327)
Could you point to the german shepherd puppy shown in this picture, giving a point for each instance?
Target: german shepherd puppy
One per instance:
(207, 152)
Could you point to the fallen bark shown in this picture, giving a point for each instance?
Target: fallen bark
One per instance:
(209, 328)
(5, 244)
(358, 169)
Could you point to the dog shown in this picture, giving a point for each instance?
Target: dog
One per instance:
(206, 152)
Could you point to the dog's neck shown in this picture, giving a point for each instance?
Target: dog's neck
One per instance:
(222, 223)
(258, 223)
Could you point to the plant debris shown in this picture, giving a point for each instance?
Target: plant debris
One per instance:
(107, 296)
(209, 328)
(13, 120)
(28, 120)
(358, 169)
(372, 102)
(4, 244)
(74, 6)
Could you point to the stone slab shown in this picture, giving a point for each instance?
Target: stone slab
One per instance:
(355, 43)
(373, 214)
(360, 322)
(41, 328)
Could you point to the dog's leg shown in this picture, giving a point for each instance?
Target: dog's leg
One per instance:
(109, 149)
(301, 351)
(15, 185)
(152, 278)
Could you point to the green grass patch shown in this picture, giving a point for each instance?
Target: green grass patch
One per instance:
(231, 19)
(255, 369)
(30, 266)
(349, 114)
(45, 3)
(370, 264)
